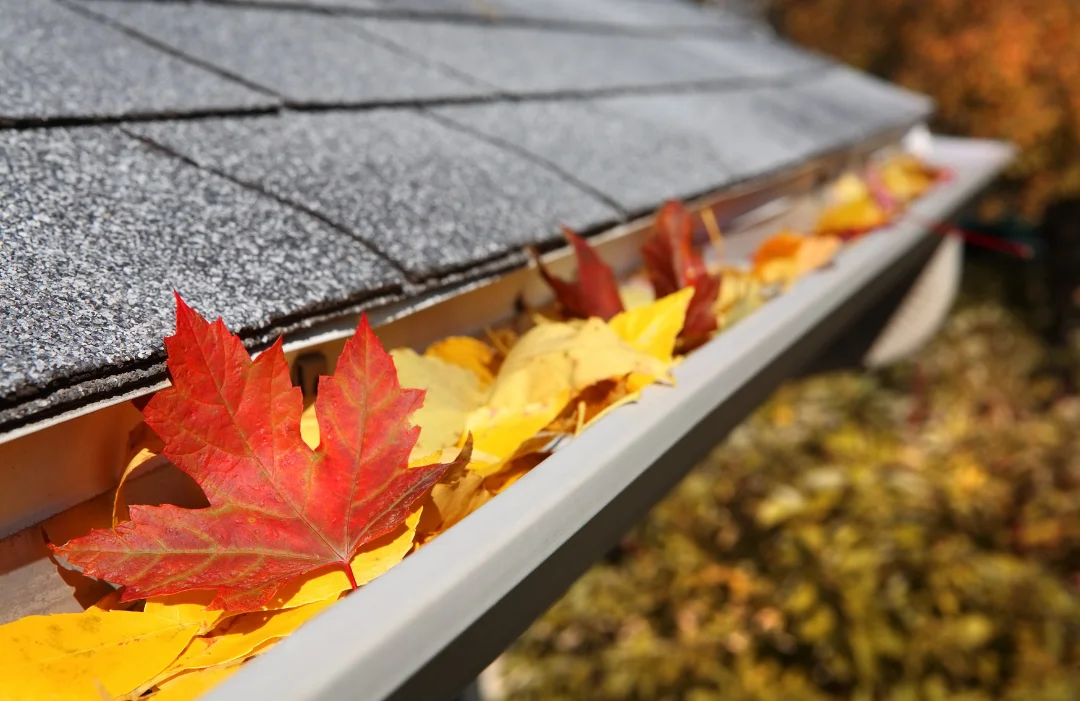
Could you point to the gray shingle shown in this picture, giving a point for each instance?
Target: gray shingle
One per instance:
(633, 161)
(632, 13)
(344, 4)
(843, 106)
(755, 56)
(98, 230)
(56, 64)
(762, 130)
(638, 14)
(521, 59)
(430, 197)
(306, 57)
(738, 125)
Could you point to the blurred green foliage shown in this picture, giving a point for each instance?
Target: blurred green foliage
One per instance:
(905, 536)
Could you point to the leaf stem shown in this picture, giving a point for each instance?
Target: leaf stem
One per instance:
(348, 573)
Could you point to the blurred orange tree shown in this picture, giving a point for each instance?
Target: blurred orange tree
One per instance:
(1003, 69)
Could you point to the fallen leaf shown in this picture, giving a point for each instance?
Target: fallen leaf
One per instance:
(740, 294)
(110, 602)
(567, 356)
(654, 328)
(670, 260)
(185, 608)
(241, 634)
(701, 312)
(502, 340)
(549, 365)
(595, 293)
(469, 353)
(852, 218)
(500, 432)
(74, 656)
(277, 509)
(907, 178)
(672, 264)
(636, 293)
(514, 470)
(455, 496)
(144, 453)
(595, 402)
(309, 427)
(451, 393)
(190, 685)
(370, 561)
(787, 256)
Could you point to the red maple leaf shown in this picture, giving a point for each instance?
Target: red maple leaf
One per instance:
(594, 293)
(278, 509)
(672, 264)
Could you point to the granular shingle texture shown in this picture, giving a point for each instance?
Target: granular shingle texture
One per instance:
(56, 64)
(631, 160)
(527, 60)
(306, 58)
(844, 106)
(738, 125)
(98, 230)
(755, 57)
(431, 198)
(634, 14)
(409, 145)
(759, 131)
(314, 4)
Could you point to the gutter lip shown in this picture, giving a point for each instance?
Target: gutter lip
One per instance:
(732, 199)
(386, 640)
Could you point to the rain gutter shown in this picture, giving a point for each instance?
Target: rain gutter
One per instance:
(431, 624)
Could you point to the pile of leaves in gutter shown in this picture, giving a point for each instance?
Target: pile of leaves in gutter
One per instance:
(303, 504)
(907, 536)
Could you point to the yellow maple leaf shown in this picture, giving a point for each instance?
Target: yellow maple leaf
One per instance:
(549, 365)
(851, 218)
(75, 656)
(906, 177)
(563, 356)
(452, 392)
(190, 685)
(240, 635)
(144, 453)
(460, 492)
(654, 327)
(636, 293)
(469, 353)
(309, 427)
(187, 608)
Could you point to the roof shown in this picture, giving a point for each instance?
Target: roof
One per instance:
(283, 163)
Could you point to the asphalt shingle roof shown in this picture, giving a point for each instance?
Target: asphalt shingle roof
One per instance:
(283, 163)
(432, 199)
(306, 58)
(56, 64)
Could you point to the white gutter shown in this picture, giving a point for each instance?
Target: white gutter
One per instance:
(432, 623)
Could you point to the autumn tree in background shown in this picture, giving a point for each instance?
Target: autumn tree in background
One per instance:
(1002, 69)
